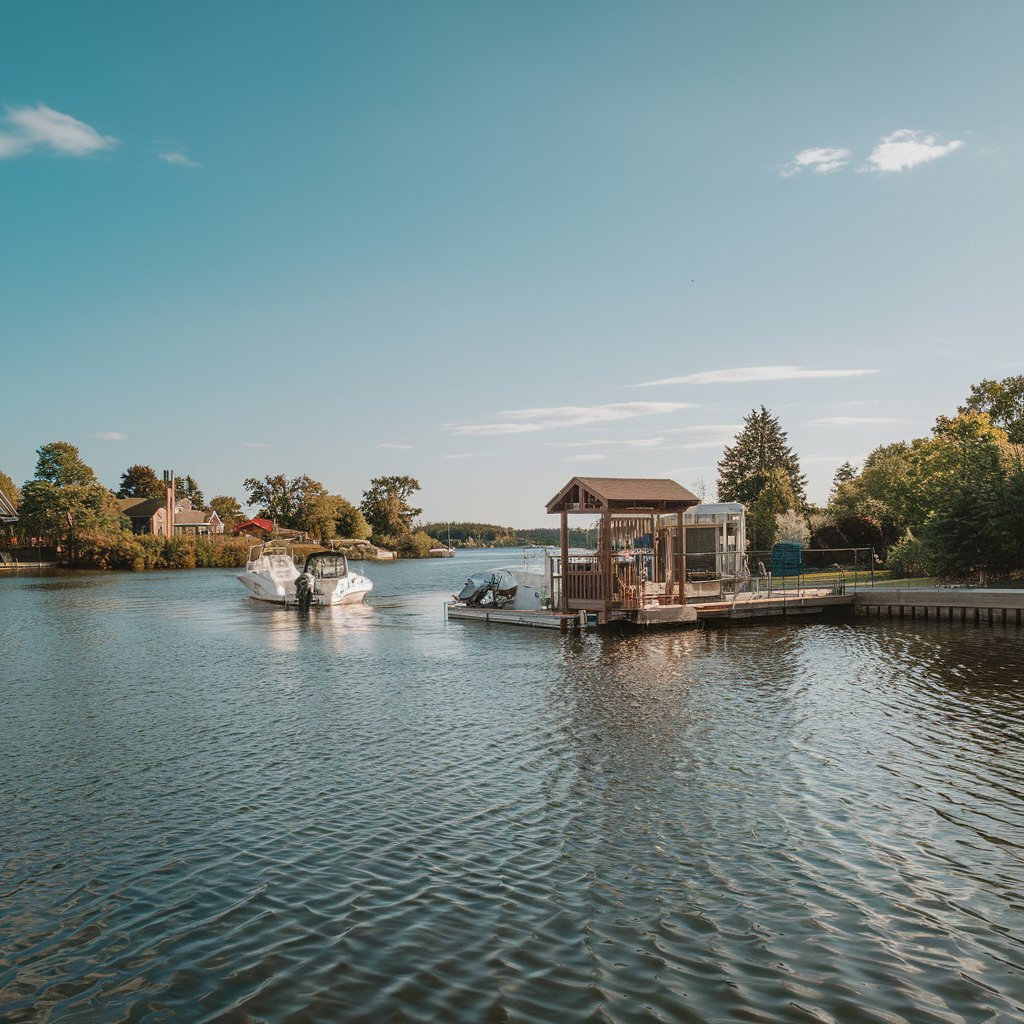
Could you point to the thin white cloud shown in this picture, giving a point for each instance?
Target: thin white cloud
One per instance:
(849, 421)
(645, 442)
(42, 128)
(835, 460)
(178, 158)
(584, 458)
(402, 447)
(468, 455)
(254, 444)
(110, 435)
(693, 445)
(908, 148)
(716, 429)
(521, 421)
(749, 374)
(685, 471)
(822, 160)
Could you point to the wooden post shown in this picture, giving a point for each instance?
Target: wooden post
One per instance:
(682, 559)
(605, 555)
(565, 560)
(670, 576)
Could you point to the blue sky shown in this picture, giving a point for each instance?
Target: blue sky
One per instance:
(493, 246)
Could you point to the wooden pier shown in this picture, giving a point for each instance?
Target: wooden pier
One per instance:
(745, 607)
(1002, 607)
(973, 607)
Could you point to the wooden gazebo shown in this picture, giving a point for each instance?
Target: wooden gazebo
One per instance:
(638, 573)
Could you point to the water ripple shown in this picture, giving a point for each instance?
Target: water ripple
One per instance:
(217, 811)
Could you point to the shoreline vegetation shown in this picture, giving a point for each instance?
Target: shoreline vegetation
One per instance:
(949, 506)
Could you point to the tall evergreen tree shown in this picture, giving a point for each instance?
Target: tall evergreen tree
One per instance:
(843, 475)
(759, 448)
(186, 487)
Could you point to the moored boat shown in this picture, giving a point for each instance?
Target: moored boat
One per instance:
(270, 572)
(325, 579)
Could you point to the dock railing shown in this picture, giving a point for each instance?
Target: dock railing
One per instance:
(830, 569)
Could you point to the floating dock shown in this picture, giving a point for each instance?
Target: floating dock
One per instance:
(744, 607)
(977, 607)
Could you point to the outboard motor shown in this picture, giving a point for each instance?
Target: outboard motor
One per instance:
(476, 586)
(304, 590)
(484, 589)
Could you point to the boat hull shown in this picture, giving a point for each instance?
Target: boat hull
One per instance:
(263, 589)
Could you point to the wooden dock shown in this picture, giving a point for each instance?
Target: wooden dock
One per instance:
(744, 607)
(977, 607)
(511, 617)
(1003, 607)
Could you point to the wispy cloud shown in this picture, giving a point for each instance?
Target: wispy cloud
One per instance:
(255, 444)
(31, 129)
(823, 160)
(908, 148)
(684, 471)
(584, 458)
(402, 447)
(710, 429)
(834, 460)
(849, 421)
(749, 374)
(176, 157)
(522, 421)
(468, 455)
(110, 435)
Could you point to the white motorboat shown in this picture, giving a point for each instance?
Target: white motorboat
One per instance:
(272, 575)
(327, 579)
(270, 572)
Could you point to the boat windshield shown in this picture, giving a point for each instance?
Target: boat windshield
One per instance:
(327, 565)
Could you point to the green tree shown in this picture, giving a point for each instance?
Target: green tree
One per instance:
(186, 487)
(318, 514)
(228, 509)
(350, 522)
(416, 544)
(1003, 401)
(59, 463)
(886, 492)
(971, 476)
(775, 498)
(759, 448)
(11, 491)
(843, 475)
(386, 507)
(141, 482)
(281, 499)
(65, 501)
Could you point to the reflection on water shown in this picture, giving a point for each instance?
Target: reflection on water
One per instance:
(214, 809)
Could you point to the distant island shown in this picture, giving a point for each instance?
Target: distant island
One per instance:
(489, 535)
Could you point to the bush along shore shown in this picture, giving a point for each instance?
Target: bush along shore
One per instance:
(140, 552)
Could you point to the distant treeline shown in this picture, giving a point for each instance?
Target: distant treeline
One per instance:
(488, 535)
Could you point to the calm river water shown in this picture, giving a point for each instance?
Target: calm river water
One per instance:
(213, 810)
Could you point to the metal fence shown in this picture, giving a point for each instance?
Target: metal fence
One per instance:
(815, 568)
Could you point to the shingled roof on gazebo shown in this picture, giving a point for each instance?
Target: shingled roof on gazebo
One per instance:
(621, 494)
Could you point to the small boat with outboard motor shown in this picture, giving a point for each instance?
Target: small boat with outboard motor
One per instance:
(325, 579)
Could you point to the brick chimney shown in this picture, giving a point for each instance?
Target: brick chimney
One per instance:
(169, 484)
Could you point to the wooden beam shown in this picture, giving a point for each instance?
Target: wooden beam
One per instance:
(682, 559)
(565, 560)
